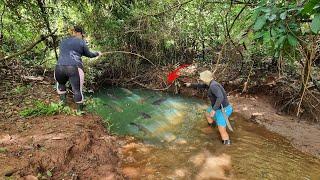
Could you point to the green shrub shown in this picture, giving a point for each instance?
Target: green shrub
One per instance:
(42, 108)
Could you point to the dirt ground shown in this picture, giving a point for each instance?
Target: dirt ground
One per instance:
(59, 147)
(53, 147)
(78, 147)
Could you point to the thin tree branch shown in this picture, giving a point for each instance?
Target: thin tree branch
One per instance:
(229, 36)
(42, 38)
(126, 52)
(238, 15)
(167, 10)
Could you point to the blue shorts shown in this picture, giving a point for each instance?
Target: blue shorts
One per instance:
(218, 116)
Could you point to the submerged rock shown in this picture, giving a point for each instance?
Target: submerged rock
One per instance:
(131, 172)
(215, 167)
(180, 141)
(169, 137)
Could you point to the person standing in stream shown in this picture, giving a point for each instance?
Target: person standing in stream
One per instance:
(219, 101)
(70, 66)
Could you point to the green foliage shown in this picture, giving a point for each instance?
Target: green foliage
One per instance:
(311, 7)
(49, 173)
(46, 109)
(315, 25)
(276, 25)
(3, 150)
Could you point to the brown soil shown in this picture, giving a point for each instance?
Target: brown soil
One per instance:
(55, 147)
(69, 147)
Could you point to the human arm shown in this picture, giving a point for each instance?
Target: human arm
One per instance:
(87, 52)
(219, 96)
(196, 85)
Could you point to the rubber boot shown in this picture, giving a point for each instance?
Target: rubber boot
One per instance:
(63, 99)
(226, 142)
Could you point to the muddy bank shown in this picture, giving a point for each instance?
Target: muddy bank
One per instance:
(55, 147)
(59, 147)
(303, 135)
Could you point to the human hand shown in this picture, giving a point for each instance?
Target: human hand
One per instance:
(187, 84)
(212, 113)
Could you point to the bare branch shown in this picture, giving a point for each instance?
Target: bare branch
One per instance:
(126, 52)
(167, 10)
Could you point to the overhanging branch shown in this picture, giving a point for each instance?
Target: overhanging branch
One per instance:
(31, 46)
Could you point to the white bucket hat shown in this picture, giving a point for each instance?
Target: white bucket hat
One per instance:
(206, 76)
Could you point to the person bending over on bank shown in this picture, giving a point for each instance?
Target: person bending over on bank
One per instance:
(70, 66)
(219, 99)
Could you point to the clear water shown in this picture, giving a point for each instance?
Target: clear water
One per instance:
(175, 132)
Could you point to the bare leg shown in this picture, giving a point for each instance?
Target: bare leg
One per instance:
(223, 133)
(209, 119)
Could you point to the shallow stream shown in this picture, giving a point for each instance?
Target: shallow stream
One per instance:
(174, 141)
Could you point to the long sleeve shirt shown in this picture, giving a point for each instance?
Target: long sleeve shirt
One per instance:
(71, 50)
(216, 94)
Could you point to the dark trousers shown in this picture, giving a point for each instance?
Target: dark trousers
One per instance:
(75, 76)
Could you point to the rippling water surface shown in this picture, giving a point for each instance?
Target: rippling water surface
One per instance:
(178, 144)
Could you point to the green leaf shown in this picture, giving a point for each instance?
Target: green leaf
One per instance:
(266, 36)
(283, 15)
(279, 43)
(315, 25)
(293, 41)
(260, 22)
(308, 8)
(258, 35)
(274, 32)
(272, 17)
(265, 9)
(49, 173)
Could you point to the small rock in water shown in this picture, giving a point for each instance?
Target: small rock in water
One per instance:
(215, 167)
(180, 172)
(169, 137)
(181, 141)
(131, 172)
(257, 114)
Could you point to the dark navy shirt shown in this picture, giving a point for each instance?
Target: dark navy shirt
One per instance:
(216, 94)
(71, 50)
